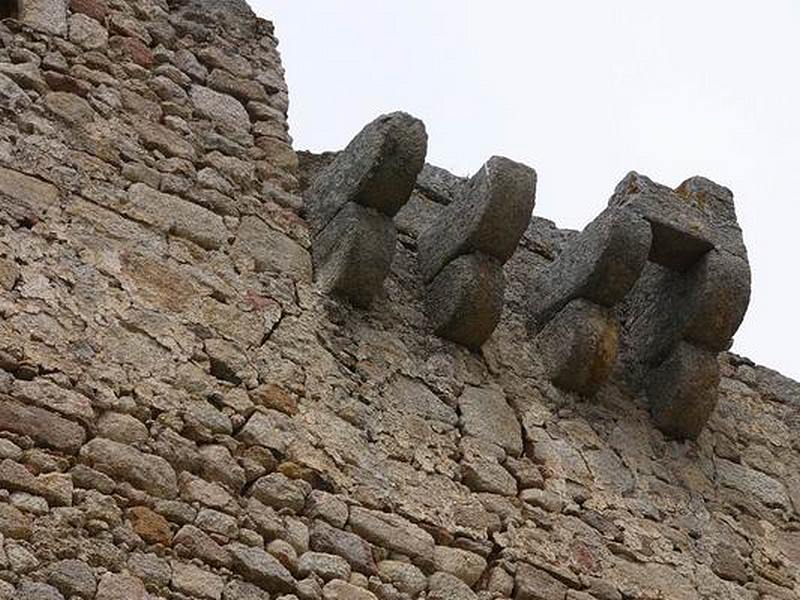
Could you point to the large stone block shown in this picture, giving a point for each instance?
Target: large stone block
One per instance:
(485, 414)
(43, 426)
(377, 170)
(270, 250)
(465, 300)
(353, 253)
(682, 391)
(600, 264)
(147, 472)
(23, 197)
(173, 215)
(47, 16)
(490, 217)
(578, 347)
(393, 532)
(718, 299)
(687, 222)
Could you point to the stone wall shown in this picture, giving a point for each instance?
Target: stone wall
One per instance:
(185, 414)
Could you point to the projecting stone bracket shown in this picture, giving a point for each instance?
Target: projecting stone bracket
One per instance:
(571, 303)
(664, 283)
(461, 255)
(352, 202)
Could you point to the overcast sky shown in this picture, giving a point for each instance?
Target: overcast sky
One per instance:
(583, 91)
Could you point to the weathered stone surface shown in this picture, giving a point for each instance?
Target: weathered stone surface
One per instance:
(465, 565)
(27, 75)
(535, 584)
(600, 264)
(87, 32)
(341, 590)
(30, 590)
(97, 9)
(278, 491)
(357, 552)
(241, 590)
(268, 428)
(70, 108)
(465, 300)
(392, 532)
(328, 507)
(270, 250)
(578, 347)
(326, 566)
(687, 222)
(196, 582)
(683, 391)
(485, 414)
(30, 197)
(202, 342)
(12, 97)
(219, 108)
(440, 185)
(122, 428)
(752, 483)
(192, 542)
(377, 170)
(243, 89)
(48, 16)
(121, 586)
(488, 476)
(489, 218)
(147, 472)
(14, 523)
(163, 139)
(353, 253)
(718, 299)
(73, 578)
(260, 568)
(151, 527)
(404, 576)
(43, 426)
(444, 586)
(175, 216)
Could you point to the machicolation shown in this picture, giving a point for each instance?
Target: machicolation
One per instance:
(234, 371)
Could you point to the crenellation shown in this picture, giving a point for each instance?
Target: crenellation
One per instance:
(187, 413)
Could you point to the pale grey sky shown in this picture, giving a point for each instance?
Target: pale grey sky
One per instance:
(583, 91)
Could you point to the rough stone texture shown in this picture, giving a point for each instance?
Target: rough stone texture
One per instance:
(485, 414)
(462, 252)
(186, 416)
(601, 264)
(351, 202)
(465, 300)
(48, 16)
(578, 347)
(260, 568)
(683, 391)
(353, 253)
(696, 288)
(150, 473)
(377, 170)
(45, 427)
(670, 265)
(219, 108)
(490, 217)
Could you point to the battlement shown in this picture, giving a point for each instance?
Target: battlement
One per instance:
(231, 371)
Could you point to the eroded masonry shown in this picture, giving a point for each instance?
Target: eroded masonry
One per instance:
(231, 371)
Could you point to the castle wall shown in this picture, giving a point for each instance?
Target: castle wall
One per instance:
(184, 414)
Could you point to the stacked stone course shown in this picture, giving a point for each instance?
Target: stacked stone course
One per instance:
(186, 414)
